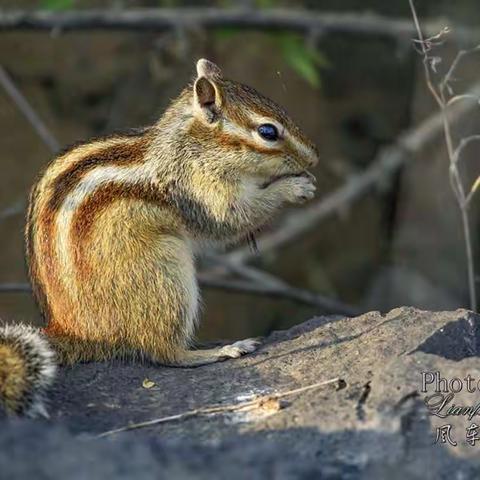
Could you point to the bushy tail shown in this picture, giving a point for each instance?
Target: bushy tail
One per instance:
(27, 369)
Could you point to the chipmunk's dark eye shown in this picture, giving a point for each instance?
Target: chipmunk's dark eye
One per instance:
(268, 132)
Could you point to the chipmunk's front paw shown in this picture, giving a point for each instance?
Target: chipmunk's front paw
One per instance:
(300, 189)
(239, 348)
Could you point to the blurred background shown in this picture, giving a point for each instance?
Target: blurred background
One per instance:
(378, 235)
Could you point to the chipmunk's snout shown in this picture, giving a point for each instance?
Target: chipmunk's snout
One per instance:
(305, 151)
(313, 158)
(309, 156)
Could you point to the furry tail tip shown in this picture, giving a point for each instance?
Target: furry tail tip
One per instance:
(27, 369)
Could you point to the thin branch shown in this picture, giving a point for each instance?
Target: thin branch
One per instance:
(266, 284)
(280, 290)
(258, 402)
(424, 51)
(28, 112)
(462, 145)
(453, 154)
(223, 266)
(449, 75)
(445, 83)
(475, 187)
(15, 288)
(288, 292)
(465, 96)
(388, 161)
(160, 19)
(38, 125)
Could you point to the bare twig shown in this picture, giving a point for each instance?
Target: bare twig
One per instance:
(445, 83)
(278, 290)
(282, 290)
(223, 266)
(29, 113)
(15, 288)
(462, 145)
(425, 52)
(257, 402)
(35, 121)
(266, 284)
(161, 19)
(473, 190)
(465, 96)
(438, 93)
(388, 161)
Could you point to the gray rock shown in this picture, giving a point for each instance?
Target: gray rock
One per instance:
(374, 424)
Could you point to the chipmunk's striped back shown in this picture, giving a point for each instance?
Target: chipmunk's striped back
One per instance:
(65, 206)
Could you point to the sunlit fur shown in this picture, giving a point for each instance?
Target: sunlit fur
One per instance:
(113, 223)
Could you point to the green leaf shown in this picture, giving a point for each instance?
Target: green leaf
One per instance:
(305, 69)
(305, 60)
(57, 4)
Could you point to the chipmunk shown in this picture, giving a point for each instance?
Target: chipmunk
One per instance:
(113, 224)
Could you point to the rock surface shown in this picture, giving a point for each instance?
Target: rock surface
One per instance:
(372, 425)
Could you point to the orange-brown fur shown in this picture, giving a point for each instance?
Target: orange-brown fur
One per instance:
(13, 372)
(112, 223)
(120, 154)
(89, 212)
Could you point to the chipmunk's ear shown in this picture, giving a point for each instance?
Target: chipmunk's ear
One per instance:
(206, 68)
(207, 98)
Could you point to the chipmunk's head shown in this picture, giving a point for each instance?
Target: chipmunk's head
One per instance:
(248, 132)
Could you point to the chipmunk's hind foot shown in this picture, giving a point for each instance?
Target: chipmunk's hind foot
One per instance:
(197, 358)
(240, 348)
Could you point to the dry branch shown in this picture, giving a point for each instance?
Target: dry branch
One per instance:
(209, 18)
(297, 295)
(15, 288)
(263, 283)
(439, 94)
(37, 124)
(280, 290)
(29, 113)
(380, 171)
(258, 402)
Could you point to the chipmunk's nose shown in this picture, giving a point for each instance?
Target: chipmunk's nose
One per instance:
(313, 157)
